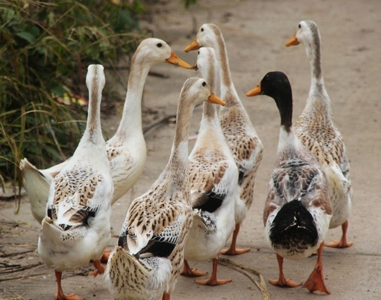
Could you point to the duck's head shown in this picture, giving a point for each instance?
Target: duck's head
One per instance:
(197, 90)
(155, 51)
(272, 84)
(206, 59)
(277, 86)
(307, 33)
(207, 36)
(95, 76)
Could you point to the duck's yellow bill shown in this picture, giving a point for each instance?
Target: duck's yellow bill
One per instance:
(193, 46)
(254, 92)
(214, 99)
(175, 60)
(292, 41)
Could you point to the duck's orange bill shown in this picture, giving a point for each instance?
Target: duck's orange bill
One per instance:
(254, 92)
(193, 46)
(175, 60)
(214, 99)
(292, 41)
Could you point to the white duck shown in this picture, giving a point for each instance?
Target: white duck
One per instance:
(126, 150)
(297, 210)
(214, 188)
(238, 130)
(318, 132)
(157, 223)
(76, 228)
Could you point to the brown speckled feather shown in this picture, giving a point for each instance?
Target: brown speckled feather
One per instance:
(321, 137)
(205, 175)
(297, 179)
(73, 194)
(246, 148)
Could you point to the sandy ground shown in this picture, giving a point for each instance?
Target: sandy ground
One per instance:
(255, 33)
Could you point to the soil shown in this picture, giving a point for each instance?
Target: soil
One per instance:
(255, 33)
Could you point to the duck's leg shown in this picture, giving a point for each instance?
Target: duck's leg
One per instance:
(105, 256)
(166, 296)
(187, 271)
(60, 294)
(213, 279)
(282, 281)
(316, 281)
(232, 250)
(343, 243)
(99, 268)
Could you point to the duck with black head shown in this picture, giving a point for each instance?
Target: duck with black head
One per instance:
(297, 210)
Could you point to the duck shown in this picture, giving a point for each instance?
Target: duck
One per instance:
(239, 132)
(213, 179)
(76, 228)
(297, 211)
(126, 150)
(157, 224)
(317, 130)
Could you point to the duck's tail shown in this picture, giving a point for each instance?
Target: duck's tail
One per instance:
(37, 186)
(127, 275)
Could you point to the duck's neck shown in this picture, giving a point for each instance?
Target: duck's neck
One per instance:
(131, 122)
(210, 115)
(228, 92)
(289, 146)
(283, 100)
(93, 132)
(178, 161)
(317, 88)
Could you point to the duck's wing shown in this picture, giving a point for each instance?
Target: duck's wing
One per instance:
(209, 183)
(75, 196)
(332, 156)
(297, 180)
(242, 140)
(294, 179)
(152, 227)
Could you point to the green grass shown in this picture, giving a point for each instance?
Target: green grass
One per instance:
(45, 48)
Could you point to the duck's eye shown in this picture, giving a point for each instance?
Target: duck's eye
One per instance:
(202, 29)
(299, 26)
(204, 83)
(159, 45)
(198, 52)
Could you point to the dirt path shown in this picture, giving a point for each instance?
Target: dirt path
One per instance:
(255, 32)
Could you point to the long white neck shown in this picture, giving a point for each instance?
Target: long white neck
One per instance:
(210, 119)
(289, 145)
(131, 122)
(93, 132)
(210, 113)
(178, 161)
(317, 88)
(228, 91)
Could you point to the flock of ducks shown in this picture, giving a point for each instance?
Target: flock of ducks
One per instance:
(200, 199)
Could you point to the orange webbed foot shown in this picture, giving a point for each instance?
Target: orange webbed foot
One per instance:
(188, 272)
(212, 281)
(99, 268)
(234, 251)
(338, 244)
(343, 243)
(285, 283)
(62, 296)
(193, 273)
(315, 282)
